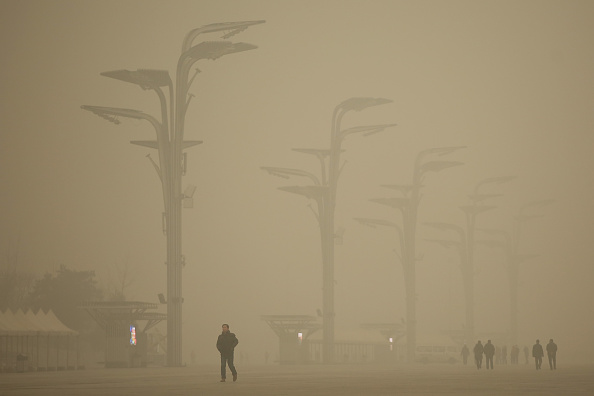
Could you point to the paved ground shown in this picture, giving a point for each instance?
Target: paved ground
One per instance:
(306, 380)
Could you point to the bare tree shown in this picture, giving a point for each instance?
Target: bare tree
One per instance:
(15, 283)
(117, 288)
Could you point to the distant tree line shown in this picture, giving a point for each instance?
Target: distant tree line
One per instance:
(62, 292)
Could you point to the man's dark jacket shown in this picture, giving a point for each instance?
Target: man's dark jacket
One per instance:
(478, 350)
(226, 343)
(489, 349)
(551, 349)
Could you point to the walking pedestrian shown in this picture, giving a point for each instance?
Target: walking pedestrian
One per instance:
(478, 354)
(226, 344)
(537, 353)
(552, 354)
(489, 350)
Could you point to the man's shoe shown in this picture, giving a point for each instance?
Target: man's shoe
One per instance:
(234, 377)
(222, 379)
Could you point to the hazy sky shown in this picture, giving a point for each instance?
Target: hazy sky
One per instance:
(511, 80)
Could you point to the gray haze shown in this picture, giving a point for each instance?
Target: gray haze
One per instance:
(513, 81)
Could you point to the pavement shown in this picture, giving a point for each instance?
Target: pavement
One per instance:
(344, 380)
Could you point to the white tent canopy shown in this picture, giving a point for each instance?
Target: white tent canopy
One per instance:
(30, 323)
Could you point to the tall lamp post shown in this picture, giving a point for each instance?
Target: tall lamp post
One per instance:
(509, 243)
(323, 191)
(465, 244)
(170, 145)
(408, 205)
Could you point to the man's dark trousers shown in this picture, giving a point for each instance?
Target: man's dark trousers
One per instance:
(227, 360)
(553, 361)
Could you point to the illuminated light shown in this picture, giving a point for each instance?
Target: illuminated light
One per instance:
(391, 340)
(132, 335)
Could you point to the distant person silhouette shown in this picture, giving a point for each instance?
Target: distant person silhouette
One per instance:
(537, 353)
(489, 350)
(498, 354)
(526, 353)
(465, 352)
(504, 354)
(515, 354)
(478, 354)
(226, 344)
(552, 354)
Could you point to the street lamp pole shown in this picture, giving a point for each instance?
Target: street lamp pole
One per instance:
(510, 244)
(466, 244)
(170, 145)
(324, 192)
(408, 205)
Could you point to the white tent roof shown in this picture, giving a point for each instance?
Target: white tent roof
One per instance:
(30, 323)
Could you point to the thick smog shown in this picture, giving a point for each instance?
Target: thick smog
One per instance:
(296, 197)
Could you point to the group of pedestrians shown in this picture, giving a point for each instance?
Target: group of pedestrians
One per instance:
(490, 351)
(538, 354)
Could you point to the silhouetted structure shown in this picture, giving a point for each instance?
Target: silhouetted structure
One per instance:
(323, 191)
(465, 244)
(510, 243)
(408, 205)
(36, 342)
(293, 332)
(170, 145)
(126, 340)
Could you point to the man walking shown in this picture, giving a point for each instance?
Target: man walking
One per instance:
(537, 353)
(478, 354)
(226, 344)
(552, 354)
(489, 350)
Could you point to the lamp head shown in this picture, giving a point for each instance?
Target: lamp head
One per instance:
(145, 78)
(362, 103)
(216, 49)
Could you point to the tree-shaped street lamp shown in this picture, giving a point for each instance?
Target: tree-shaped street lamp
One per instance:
(465, 244)
(407, 204)
(509, 243)
(170, 145)
(323, 191)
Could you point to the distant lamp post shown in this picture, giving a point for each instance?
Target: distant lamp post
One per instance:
(170, 145)
(407, 204)
(465, 244)
(323, 191)
(509, 243)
